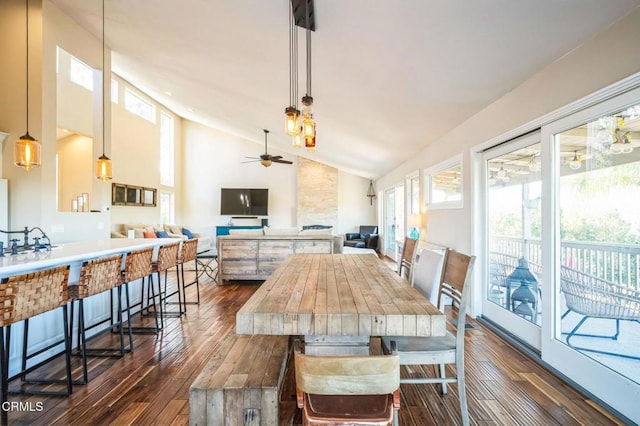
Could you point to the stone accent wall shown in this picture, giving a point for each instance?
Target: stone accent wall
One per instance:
(317, 193)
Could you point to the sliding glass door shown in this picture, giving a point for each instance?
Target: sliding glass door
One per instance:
(512, 297)
(591, 330)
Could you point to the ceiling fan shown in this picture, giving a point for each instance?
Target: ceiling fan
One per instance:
(266, 159)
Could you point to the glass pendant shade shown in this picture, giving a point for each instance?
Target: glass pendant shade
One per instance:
(310, 144)
(26, 152)
(297, 140)
(308, 127)
(103, 168)
(292, 126)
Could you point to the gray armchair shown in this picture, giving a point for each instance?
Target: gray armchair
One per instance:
(366, 238)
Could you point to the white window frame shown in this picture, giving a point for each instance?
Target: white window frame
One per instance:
(167, 150)
(172, 206)
(129, 95)
(114, 90)
(75, 63)
(429, 178)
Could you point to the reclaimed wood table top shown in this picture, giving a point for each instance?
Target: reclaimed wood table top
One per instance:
(338, 295)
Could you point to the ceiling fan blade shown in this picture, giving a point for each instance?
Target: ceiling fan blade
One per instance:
(276, 157)
(250, 161)
(281, 161)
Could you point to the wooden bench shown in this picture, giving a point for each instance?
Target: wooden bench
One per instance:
(240, 384)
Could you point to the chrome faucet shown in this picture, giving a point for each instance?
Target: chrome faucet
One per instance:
(36, 247)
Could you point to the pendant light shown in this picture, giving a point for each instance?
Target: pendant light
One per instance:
(103, 164)
(26, 150)
(292, 113)
(308, 124)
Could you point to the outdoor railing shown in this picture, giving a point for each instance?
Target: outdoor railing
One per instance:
(618, 263)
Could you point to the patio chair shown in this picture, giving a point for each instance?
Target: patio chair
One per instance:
(594, 297)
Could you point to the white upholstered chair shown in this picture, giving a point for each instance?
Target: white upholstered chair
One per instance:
(427, 273)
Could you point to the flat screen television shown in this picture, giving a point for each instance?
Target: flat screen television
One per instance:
(244, 201)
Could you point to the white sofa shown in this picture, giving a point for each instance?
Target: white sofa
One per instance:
(292, 232)
(173, 231)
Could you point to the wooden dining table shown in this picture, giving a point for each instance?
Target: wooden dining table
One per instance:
(339, 295)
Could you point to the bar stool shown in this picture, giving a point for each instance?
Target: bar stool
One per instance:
(167, 259)
(138, 265)
(189, 253)
(96, 277)
(21, 298)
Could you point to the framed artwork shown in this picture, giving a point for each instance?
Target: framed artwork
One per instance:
(118, 194)
(134, 195)
(131, 195)
(149, 197)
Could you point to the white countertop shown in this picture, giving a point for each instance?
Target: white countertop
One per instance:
(68, 253)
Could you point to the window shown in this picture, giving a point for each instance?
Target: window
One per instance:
(138, 106)
(166, 149)
(114, 91)
(443, 184)
(167, 207)
(81, 74)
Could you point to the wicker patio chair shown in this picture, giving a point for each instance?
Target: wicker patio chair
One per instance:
(596, 298)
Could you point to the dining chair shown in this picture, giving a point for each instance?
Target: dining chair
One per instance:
(440, 350)
(427, 273)
(168, 258)
(405, 263)
(98, 276)
(189, 253)
(347, 390)
(22, 297)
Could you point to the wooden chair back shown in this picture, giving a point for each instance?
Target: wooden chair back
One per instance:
(137, 264)
(99, 275)
(189, 250)
(25, 296)
(455, 285)
(347, 375)
(408, 256)
(167, 256)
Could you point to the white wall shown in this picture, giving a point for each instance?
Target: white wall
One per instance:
(579, 73)
(354, 206)
(213, 160)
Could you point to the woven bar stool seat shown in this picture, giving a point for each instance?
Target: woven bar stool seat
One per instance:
(96, 277)
(188, 254)
(138, 266)
(21, 298)
(167, 259)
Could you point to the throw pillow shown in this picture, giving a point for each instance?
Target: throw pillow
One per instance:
(138, 232)
(188, 233)
(328, 231)
(162, 234)
(286, 232)
(149, 234)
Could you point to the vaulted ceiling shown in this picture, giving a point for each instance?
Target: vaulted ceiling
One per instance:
(389, 77)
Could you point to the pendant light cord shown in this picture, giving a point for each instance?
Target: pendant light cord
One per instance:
(293, 60)
(308, 24)
(27, 12)
(104, 95)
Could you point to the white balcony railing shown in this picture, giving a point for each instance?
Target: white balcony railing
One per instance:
(618, 263)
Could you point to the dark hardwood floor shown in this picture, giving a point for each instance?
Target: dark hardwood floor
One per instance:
(151, 385)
